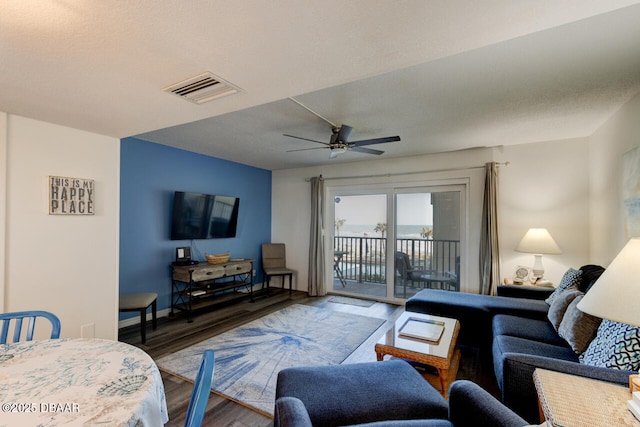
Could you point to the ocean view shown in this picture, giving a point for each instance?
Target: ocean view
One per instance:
(358, 230)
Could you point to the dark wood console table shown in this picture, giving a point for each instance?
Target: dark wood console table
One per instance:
(202, 285)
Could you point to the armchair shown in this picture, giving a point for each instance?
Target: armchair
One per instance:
(384, 394)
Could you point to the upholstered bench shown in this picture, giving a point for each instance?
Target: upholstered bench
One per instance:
(140, 302)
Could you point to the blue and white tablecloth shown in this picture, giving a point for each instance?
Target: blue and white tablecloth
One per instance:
(78, 382)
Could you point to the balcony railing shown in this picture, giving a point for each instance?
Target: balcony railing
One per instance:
(363, 259)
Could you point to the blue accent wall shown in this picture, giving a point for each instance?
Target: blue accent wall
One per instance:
(150, 173)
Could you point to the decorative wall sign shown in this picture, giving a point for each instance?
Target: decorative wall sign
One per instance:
(631, 191)
(71, 196)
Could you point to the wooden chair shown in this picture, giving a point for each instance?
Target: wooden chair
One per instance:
(201, 391)
(140, 302)
(274, 263)
(19, 316)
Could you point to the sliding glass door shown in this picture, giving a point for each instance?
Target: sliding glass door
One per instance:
(389, 243)
(359, 244)
(428, 235)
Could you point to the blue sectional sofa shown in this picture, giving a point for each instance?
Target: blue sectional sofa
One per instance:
(519, 335)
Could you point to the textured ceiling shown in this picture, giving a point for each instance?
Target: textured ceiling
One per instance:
(444, 75)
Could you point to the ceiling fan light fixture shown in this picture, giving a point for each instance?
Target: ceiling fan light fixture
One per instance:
(337, 150)
(339, 141)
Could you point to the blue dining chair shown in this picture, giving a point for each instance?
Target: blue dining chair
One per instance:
(201, 391)
(31, 316)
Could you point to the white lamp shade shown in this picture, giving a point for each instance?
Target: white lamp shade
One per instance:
(616, 294)
(538, 241)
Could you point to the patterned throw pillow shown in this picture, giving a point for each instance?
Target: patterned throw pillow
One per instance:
(578, 328)
(616, 345)
(559, 306)
(570, 279)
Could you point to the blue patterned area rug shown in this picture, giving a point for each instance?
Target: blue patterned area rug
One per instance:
(248, 358)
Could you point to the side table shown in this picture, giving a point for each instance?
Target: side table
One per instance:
(571, 400)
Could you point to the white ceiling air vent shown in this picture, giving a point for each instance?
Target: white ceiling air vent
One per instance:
(202, 88)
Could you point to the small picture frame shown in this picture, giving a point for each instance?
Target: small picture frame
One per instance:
(522, 275)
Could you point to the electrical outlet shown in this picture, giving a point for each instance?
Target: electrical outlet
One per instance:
(254, 273)
(88, 330)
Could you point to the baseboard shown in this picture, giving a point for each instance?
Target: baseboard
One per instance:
(135, 320)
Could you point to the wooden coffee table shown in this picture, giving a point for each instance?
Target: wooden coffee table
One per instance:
(443, 355)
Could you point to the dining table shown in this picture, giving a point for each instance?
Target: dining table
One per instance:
(79, 382)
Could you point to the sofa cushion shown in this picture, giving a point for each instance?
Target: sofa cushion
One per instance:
(616, 345)
(531, 329)
(570, 279)
(559, 306)
(362, 392)
(503, 345)
(578, 328)
(507, 344)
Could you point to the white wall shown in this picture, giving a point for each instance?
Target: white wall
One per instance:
(3, 200)
(545, 185)
(607, 146)
(64, 264)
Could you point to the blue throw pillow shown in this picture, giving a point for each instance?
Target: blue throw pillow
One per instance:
(616, 345)
(571, 279)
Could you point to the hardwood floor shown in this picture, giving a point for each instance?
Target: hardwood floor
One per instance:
(174, 334)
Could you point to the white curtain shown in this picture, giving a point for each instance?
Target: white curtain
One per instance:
(489, 245)
(316, 239)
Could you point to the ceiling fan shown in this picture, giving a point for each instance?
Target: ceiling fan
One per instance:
(339, 142)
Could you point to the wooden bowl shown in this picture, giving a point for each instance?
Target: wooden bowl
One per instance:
(217, 258)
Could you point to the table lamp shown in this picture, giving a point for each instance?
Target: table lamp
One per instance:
(538, 242)
(616, 294)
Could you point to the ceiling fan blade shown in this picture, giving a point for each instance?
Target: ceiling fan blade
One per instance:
(366, 150)
(343, 134)
(305, 139)
(305, 149)
(374, 141)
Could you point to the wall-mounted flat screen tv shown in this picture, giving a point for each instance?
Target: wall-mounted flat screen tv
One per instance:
(203, 216)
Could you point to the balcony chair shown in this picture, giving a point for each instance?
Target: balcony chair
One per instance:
(407, 272)
(454, 283)
(274, 263)
(140, 302)
(19, 317)
(201, 391)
